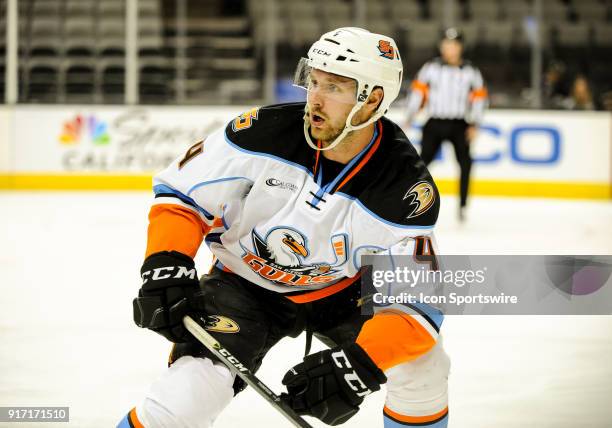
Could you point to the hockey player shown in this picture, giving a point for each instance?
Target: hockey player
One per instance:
(288, 197)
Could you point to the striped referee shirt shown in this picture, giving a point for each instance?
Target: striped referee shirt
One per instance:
(448, 92)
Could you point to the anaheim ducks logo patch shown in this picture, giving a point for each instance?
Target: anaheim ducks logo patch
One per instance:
(422, 197)
(220, 324)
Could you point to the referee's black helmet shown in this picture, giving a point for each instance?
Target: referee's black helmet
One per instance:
(453, 33)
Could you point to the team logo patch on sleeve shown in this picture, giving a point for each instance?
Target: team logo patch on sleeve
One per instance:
(421, 197)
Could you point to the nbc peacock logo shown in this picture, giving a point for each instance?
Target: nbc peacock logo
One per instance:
(76, 129)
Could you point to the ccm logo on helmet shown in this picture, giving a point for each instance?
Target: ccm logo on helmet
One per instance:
(386, 49)
(351, 378)
(321, 52)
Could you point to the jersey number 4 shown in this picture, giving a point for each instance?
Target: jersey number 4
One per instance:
(193, 151)
(424, 252)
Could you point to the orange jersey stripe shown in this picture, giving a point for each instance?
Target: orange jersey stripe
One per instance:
(324, 292)
(365, 159)
(134, 419)
(415, 419)
(478, 94)
(417, 85)
(174, 228)
(422, 87)
(393, 337)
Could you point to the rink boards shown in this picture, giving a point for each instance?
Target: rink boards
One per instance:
(517, 152)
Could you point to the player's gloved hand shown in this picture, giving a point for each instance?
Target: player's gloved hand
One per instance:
(169, 291)
(330, 385)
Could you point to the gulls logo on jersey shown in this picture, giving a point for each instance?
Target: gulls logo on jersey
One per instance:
(280, 257)
(422, 197)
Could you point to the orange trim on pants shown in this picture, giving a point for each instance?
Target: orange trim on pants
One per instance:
(415, 419)
(134, 419)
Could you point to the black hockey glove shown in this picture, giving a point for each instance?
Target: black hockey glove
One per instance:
(169, 292)
(330, 385)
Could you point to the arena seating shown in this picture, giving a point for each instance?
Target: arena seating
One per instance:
(73, 50)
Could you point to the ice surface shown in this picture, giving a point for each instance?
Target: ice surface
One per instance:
(69, 267)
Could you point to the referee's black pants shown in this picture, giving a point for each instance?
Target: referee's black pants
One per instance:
(435, 132)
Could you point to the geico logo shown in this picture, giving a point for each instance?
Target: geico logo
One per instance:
(166, 272)
(522, 144)
(520, 140)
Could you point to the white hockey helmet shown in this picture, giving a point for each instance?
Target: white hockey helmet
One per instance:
(371, 59)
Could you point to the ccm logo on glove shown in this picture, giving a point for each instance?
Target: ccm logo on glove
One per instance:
(331, 384)
(158, 273)
(351, 378)
(170, 290)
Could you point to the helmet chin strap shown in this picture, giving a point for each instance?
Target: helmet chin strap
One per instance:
(348, 127)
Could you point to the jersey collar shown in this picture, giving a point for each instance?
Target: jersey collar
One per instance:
(353, 167)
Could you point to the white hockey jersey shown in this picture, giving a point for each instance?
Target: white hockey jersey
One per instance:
(269, 216)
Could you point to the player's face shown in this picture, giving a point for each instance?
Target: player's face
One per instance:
(330, 100)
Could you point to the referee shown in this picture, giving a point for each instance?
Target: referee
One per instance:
(452, 91)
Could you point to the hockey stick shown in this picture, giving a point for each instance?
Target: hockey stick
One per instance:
(245, 374)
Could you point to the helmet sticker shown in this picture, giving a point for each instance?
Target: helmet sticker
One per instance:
(386, 49)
